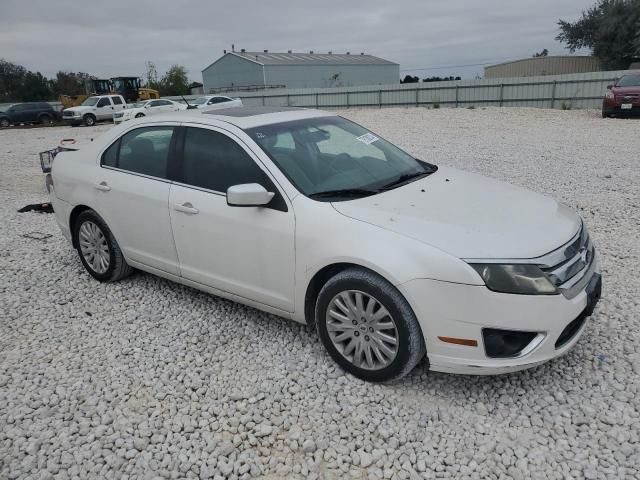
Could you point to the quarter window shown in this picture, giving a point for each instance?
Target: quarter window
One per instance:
(216, 162)
(143, 150)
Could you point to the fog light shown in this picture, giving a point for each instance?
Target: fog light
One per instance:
(505, 343)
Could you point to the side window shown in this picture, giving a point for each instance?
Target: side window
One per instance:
(143, 150)
(103, 102)
(216, 162)
(110, 155)
(154, 103)
(116, 100)
(163, 102)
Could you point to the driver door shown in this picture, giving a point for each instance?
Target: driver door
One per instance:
(246, 251)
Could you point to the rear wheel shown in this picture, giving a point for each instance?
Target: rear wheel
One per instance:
(368, 327)
(98, 250)
(89, 120)
(45, 119)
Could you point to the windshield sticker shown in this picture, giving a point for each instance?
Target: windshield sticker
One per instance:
(367, 138)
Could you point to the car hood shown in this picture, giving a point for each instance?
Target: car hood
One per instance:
(79, 108)
(469, 216)
(623, 90)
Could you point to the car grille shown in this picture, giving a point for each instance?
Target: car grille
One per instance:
(118, 115)
(627, 97)
(570, 264)
(67, 114)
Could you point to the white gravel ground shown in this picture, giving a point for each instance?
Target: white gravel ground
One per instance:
(146, 378)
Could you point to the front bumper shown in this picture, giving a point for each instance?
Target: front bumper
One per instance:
(463, 311)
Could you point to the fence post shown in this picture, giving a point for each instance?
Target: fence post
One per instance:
(288, 101)
(417, 94)
(553, 94)
(263, 100)
(501, 93)
(317, 101)
(380, 98)
(456, 96)
(347, 99)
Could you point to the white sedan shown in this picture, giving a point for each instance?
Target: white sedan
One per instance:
(213, 102)
(148, 107)
(312, 217)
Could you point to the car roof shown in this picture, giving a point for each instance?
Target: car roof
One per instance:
(243, 117)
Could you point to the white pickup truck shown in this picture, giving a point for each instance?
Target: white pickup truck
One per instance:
(94, 109)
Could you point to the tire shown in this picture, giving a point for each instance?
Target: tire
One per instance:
(90, 231)
(374, 366)
(45, 119)
(139, 115)
(4, 123)
(89, 120)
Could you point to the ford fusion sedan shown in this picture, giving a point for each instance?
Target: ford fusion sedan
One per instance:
(213, 102)
(623, 97)
(146, 108)
(309, 216)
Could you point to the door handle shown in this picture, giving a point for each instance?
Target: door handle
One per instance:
(103, 187)
(186, 208)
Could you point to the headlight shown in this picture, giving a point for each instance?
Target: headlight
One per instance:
(518, 278)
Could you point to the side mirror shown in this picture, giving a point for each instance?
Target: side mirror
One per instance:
(248, 195)
(610, 86)
(146, 105)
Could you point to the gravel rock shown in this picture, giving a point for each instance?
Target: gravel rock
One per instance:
(158, 380)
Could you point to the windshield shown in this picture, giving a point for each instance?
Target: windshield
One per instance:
(629, 81)
(91, 101)
(331, 158)
(198, 101)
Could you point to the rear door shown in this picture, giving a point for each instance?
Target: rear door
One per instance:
(118, 104)
(247, 251)
(132, 191)
(104, 109)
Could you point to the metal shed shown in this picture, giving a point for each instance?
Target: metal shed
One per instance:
(246, 71)
(551, 65)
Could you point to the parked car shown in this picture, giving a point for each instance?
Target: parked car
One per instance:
(94, 109)
(312, 217)
(148, 107)
(623, 97)
(211, 102)
(34, 112)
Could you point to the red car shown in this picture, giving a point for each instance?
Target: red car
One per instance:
(623, 97)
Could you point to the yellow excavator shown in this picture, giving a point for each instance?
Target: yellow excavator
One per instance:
(129, 87)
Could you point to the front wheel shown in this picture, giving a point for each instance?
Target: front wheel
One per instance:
(139, 115)
(4, 123)
(89, 120)
(368, 327)
(98, 250)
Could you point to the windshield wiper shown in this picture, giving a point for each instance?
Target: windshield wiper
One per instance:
(404, 178)
(344, 192)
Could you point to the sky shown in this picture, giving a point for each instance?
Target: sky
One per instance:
(426, 37)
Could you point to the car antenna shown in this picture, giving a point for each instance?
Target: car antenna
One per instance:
(186, 101)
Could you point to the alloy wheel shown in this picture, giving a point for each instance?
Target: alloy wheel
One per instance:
(362, 330)
(94, 247)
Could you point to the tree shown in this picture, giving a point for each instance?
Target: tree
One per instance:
(611, 29)
(151, 76)
(11, 80)
(35, 88)
(174, 82)
(543, 53)
(410, 79)
(441, 79)
(70, 83)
